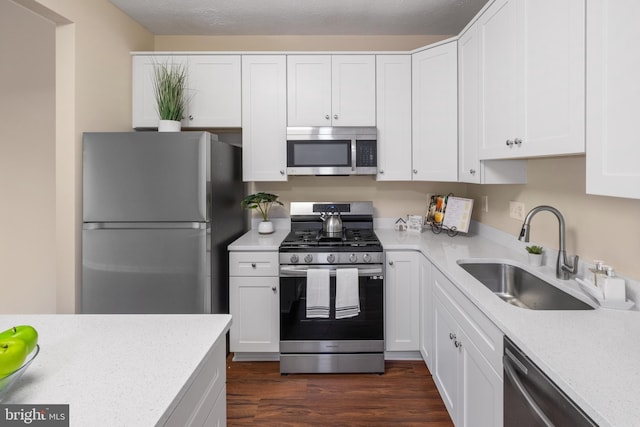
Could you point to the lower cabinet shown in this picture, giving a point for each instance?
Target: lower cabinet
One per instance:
(254, 302)
(402, 288)
(467, 378)
(426, 312)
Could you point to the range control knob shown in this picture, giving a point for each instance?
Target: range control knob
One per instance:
(331, 258)
(353, 257)
(308, 258)
(366, 258)
(294, 259)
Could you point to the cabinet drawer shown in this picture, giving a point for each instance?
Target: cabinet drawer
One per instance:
(253, 263)
(485, 335)
(204, 392)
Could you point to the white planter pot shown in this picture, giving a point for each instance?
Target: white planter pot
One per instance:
(535, 260)
(266, 227)
(169, 126)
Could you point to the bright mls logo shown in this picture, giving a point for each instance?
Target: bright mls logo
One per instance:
(34, 415)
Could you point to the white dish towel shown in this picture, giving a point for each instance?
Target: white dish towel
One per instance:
(318, 293)
(347, 293)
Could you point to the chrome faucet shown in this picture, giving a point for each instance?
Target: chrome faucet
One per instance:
(563, 269)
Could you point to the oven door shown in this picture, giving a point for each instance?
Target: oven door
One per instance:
(362, 333)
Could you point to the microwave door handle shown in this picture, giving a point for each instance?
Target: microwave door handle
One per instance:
(354, 154)
(511, 375)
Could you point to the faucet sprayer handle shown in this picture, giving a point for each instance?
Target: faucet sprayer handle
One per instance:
(573, 269)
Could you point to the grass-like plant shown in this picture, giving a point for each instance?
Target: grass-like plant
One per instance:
(170, 87)
(262, 202)
(533, 249)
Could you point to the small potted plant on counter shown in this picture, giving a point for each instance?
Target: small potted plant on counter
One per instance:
(535, 255)
(263, 203)
(169, 86)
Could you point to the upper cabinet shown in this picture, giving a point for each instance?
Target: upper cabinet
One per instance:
(613, 89)
(470, 168)
(393, 111)
(331, 90)
(213, 90)
(435, 113)
(264, 117)
(532, 78)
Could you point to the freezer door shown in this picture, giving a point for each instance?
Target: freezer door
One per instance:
(145, 270)
(145, 176)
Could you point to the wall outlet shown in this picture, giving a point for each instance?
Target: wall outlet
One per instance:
(516, 210)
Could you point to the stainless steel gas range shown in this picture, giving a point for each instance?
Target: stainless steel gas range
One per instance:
(331, 291)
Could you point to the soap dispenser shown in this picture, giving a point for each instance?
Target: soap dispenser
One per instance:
(613, 287)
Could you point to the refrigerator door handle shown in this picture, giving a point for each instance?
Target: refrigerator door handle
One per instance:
(143, 225)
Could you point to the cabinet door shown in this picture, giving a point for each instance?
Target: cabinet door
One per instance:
(426, 312)
(214, 91)
(613, 90)
(435, 114)
(309, 90)
(480, 388)
(253, 303)
(468, 106)
(353, 90)
(445, 357)
(500, 83)
(144, 106)
(393, 89)
(264, 117)
(402, 290)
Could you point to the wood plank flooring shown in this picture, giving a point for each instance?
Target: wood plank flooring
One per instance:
(257, 395)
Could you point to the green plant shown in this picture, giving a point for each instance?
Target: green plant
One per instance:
(170, 86)
(533, 249)
(262, 202)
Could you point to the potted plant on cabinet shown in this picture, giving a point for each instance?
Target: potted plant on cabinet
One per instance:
(535, 255)
(263, 203)
(169, 87)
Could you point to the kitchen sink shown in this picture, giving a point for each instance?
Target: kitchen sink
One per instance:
(518, 287)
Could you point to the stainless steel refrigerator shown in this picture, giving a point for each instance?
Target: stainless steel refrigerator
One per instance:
(159, 210)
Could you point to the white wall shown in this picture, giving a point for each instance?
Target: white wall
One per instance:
(27, 162)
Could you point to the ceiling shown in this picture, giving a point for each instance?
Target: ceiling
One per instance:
(301, 17)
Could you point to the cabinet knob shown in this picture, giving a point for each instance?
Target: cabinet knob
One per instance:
(335, 116)
(274, 289)
(282, 172)
(452, 336)
(190, 117)
(390, 262)
(509, 143)
(517, 141)
(327, 117)
(253, 265)
(457, 343)
(381, 172)
(415, 171)
(472, 171)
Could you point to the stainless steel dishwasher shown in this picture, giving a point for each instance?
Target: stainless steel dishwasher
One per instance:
(531, 399)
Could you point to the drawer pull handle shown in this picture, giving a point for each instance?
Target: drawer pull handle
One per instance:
(253, 265)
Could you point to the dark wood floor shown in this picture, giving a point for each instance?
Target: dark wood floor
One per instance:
(257, 395)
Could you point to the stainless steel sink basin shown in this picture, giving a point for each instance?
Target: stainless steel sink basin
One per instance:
(521, 288)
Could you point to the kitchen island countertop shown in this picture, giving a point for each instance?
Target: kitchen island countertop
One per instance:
(115, 370)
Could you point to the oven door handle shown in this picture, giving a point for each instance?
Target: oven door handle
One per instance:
(508, 361)
(291, 271)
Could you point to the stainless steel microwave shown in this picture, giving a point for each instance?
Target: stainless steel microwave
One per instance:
(332, 151)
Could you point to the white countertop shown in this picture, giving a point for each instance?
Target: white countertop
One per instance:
(593, 355)
(253, 241)
(114, 370)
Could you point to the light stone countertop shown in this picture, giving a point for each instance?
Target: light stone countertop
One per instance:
(114, 370)
(253, 241)
(592, 355)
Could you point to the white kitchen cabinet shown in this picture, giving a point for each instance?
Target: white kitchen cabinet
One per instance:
(264, 117)
(470, 168)
(254, 302)
(532, 59)
(402, 302)
(393, 117)
(213, 90)
(466, 371)
(426, 312)
(435, 113)
(331, 90)
(613, 90)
